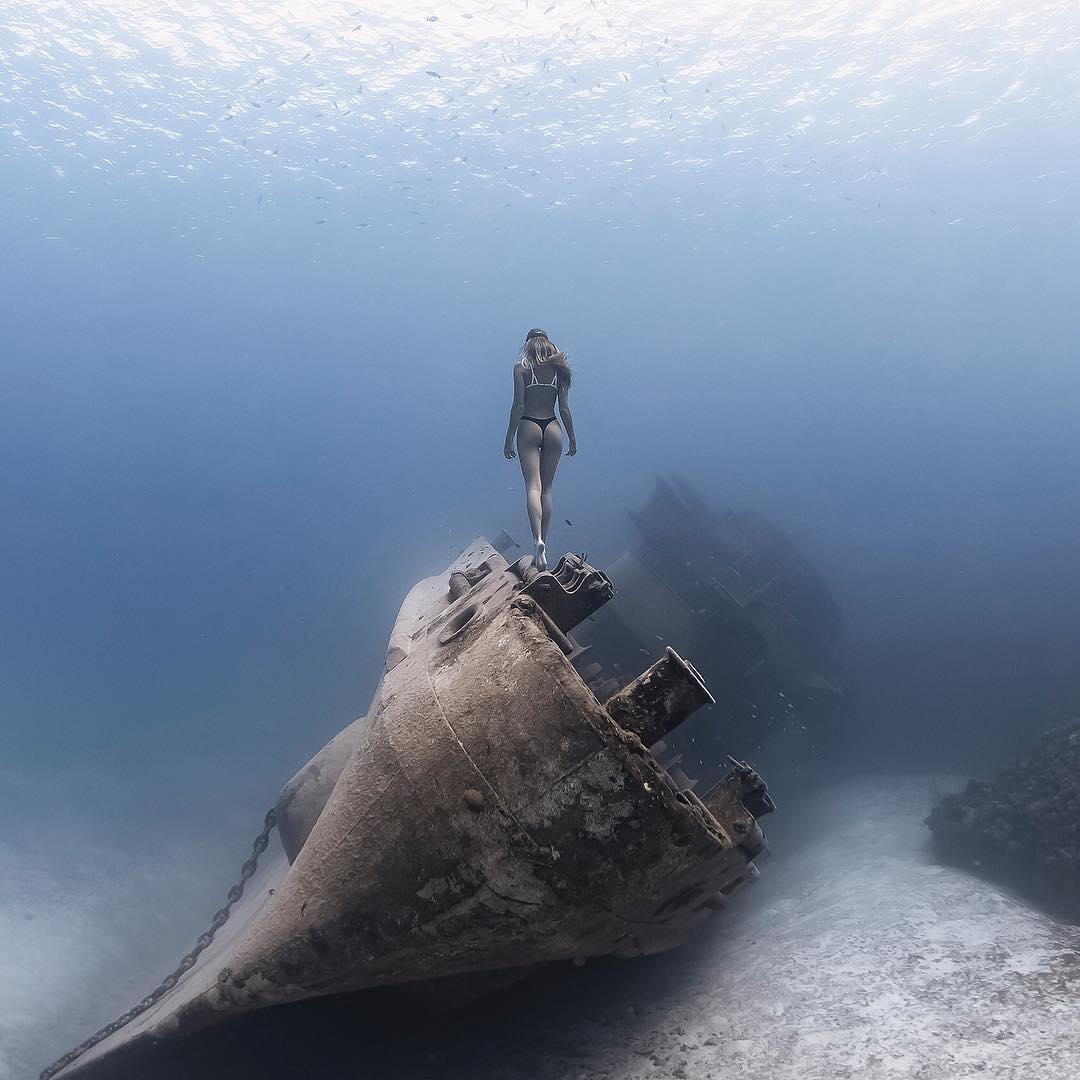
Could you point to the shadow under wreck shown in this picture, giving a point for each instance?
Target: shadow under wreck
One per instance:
(489, 815)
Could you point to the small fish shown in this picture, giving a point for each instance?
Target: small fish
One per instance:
(433, 74)
(321, 221)
(568, 521)
(433, 18)
(466, 16)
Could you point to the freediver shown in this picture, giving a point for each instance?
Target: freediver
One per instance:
(541, 376)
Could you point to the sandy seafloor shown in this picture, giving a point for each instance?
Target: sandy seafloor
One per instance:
(854, 955)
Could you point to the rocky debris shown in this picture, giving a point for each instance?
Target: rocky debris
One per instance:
(1023, 827)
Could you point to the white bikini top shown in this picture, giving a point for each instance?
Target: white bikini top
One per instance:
(537, 382)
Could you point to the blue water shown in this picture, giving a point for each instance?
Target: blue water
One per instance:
(266, 268)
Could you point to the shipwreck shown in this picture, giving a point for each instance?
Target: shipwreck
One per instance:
(489, 814)
(734, 591)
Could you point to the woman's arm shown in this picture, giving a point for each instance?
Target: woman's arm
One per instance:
(567, 418)
(516, 410)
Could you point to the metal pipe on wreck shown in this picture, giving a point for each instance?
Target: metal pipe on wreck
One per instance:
(527, 603)
(660, 698)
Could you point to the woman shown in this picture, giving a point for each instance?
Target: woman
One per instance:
(541, 376)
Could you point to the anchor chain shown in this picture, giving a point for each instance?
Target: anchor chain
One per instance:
(221, 916)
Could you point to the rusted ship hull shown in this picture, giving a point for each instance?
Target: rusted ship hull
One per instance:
(488, 814)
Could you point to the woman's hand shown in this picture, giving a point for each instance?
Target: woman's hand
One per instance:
(571, 450)
(508, 450)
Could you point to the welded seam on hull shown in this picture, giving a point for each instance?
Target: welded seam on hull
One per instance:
(450, 727)
(605, 721)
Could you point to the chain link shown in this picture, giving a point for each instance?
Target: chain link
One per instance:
(221, 916)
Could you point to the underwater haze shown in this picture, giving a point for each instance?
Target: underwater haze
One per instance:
(266, 268)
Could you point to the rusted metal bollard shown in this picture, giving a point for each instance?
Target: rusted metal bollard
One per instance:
(660, 698)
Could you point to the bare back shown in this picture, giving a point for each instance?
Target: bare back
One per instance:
(541, 390)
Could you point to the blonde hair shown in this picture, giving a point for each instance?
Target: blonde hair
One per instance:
(540, 349)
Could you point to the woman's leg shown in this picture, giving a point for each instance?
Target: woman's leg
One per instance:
(550, 452)
(528, 448)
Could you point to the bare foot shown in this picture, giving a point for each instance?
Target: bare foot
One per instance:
(540, 559)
